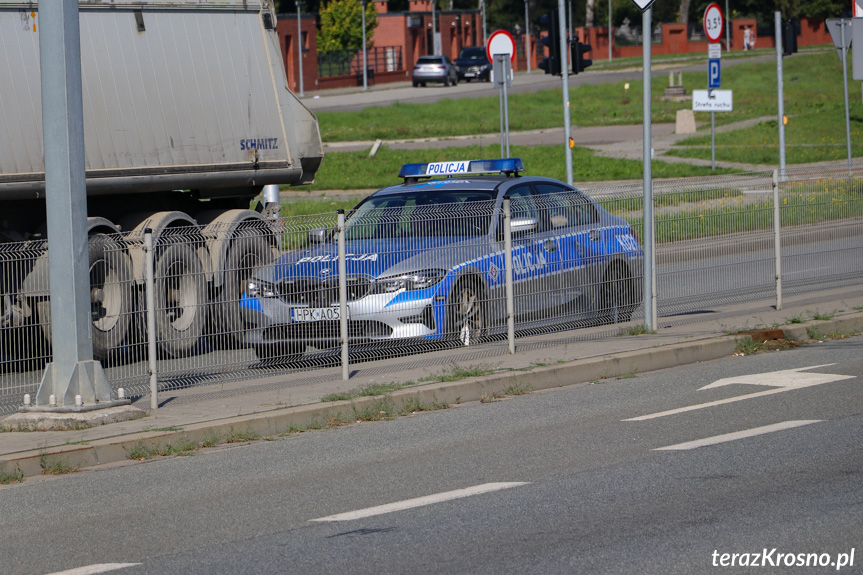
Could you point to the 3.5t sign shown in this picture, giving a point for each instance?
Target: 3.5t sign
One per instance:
(713, 22)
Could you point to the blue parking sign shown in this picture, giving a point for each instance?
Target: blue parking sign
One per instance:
(713, 74)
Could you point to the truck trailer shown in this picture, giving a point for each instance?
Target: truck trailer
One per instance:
(187, 116)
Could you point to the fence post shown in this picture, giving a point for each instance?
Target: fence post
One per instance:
(343, 295)
(151, 317)
(777, 241)
(507, 250)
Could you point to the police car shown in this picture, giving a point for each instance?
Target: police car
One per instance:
(426, 260)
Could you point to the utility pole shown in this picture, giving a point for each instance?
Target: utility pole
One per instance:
(365, 50)
(300, 47)
(527, 35)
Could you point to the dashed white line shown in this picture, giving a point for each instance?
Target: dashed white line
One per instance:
(739, 435)
(420, 501)
(96, 568)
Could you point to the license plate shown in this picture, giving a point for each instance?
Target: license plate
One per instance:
(309, 314)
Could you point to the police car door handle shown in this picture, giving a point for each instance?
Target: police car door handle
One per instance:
(550, 246)
(593, 235)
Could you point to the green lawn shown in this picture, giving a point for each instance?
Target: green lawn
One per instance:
(813, 86)
(355, 170)
(813, 102)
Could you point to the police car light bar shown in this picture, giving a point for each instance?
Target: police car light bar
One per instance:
(506, 166)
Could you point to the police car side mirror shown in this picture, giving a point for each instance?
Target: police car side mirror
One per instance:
(318, 235)
(523, 225)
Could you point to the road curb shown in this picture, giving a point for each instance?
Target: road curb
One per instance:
(281, 421)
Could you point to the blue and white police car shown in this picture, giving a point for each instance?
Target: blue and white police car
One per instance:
(426, 260)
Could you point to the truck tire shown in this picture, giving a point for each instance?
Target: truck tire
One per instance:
(110, 296)
(249, 250)
(180, 299)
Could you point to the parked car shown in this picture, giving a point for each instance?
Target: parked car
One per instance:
(434, 69)
(425, 261)
(472, 64)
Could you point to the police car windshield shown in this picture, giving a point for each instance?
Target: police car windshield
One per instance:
(422, 214)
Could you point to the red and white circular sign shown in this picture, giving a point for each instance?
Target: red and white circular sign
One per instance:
(713, 22)
(500, 42)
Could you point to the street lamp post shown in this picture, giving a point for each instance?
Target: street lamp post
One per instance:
(300, 46)
(527, 36)
(727, 28)
(365, 50)
(484, 35)
(434, 31)
(609, 30)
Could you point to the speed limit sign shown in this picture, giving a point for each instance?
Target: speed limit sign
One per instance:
(713, 22)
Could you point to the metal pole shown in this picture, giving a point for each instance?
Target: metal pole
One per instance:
(506, 71)
(527, 35)
(609, 31)
(434, 31)
(343, 295)
(727, 28)
(780, 97)
(845, 85)
(507, 251)
(365, 51)
(568, 35)
(484, 35)
(649, 234)
(498, 65)
(72, 371)
(777, 240)
(712, 140)
(150, 287)
(300, 47)
(564, 69)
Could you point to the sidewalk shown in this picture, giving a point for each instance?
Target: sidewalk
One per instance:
(273, 405)
(623, 142)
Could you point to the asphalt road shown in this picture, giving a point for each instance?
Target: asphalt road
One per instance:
(599, 478)
(354, 99)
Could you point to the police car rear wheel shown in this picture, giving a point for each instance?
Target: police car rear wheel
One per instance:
(617, 297)
(467, 322)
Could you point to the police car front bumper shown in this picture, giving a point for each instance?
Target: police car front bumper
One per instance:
(372, 318)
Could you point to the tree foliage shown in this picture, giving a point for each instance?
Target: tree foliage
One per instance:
(341, 25)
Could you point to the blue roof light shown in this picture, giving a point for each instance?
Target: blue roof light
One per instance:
(501, 166)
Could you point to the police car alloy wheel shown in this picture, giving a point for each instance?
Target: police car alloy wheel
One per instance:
(617, 299)
(467, 322)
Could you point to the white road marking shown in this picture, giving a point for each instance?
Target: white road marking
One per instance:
(708, 404)
(420, 501)
(97, 568)
(787, 378)
(738, 435)
(781, 381)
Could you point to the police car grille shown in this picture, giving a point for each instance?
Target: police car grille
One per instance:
(314, 292)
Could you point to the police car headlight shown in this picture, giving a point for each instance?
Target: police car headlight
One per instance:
(258, 288)
(412, 281)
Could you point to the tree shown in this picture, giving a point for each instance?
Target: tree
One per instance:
(683, 13)
(341, 25)
(588, 13)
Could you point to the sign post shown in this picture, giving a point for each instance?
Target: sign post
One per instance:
(713, 30)
(840, 31)
(500, 50)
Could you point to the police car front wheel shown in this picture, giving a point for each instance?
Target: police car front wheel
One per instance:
(467, 314)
